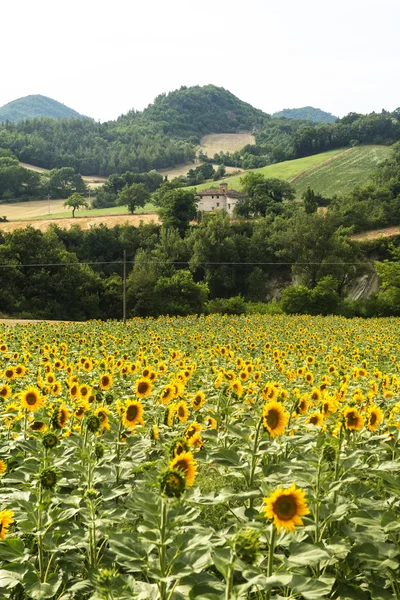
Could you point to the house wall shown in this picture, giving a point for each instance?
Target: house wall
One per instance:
(208, 203)
(230, 205)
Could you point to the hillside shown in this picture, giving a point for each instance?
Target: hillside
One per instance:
(284, 170)
(340, 175)
(328, 173)
(35, 106)
(307, 112)
(198, 110)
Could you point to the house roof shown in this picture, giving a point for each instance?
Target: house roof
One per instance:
(217, 192)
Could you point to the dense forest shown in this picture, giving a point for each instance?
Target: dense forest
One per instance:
(166, 133)
(308, 113)
(32, 106)
(217, 265)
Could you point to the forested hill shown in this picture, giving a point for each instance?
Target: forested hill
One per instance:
(167, 133)
(36, 106)
(200, 110)
(307, 112)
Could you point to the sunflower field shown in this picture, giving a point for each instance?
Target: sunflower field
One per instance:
(204, 458)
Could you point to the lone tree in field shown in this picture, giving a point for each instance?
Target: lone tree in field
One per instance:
(133, 196)
(76, 201)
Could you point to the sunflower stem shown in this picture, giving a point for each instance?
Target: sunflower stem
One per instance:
(254, 459)
(162, 556)
(317, 490)
(271, 556)
(337, 463)
(118, 452)
(39, 533)
(229, 577)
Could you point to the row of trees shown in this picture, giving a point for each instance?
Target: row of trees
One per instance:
(16, 182)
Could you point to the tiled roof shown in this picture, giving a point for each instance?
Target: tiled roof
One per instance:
(217, 192)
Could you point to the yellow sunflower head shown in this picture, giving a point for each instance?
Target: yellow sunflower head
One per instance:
(286, 507)
(275, 418)
(31, 399)
(186, 464)
(133, 414)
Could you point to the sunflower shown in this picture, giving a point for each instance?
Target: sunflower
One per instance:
(20, 370)
(9, 373)
(375, 417)
(31, 399)
(269, 392)
(286, 507)
(275, 418)
(181, 411)
(167, 394)
(5, 391)
(3, 467)
(198, 400)
(106, 381)
(60, 417)
(38, 426)
(84, 391)
(133, 414)
(211, 423)
(192, 430)
(186, 464)
(50, 378)
(315, 395)
(353, 421)
(102, 412)
(315, 419)
(143, 388)
(6, 518)
(173, 483)
(236, 388)
(81, 409)
(302, 406)
(56, 389)
(74, 390)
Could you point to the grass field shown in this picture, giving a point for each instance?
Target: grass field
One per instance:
(225, 142)
(340, 175)
(39, 209)
(284, 170)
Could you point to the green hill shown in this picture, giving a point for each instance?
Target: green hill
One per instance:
(340, 175)
(34, 106)
(283, 170)
(328, 173)
(307, 112)
(198, 110)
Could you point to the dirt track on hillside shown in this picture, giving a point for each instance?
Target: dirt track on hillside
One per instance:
(375, 234)
(82, 222)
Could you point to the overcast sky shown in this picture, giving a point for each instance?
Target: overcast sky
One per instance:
(103, 58)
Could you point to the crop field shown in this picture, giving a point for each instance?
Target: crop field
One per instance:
(288, 169)
(340, 175)
(214, 143)
(203, 458)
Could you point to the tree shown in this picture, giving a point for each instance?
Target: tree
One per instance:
(133, 196)
(76, 201)
(178, 208)
(263, 195)
(64, 182)
(310, 201)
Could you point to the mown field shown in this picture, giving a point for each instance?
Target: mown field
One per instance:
(214, 143)
(340, 175)
(209, 458)
(284, 170)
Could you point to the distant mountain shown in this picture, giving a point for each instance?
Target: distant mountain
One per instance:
(29, 107)
(197, 110)
(307, 112)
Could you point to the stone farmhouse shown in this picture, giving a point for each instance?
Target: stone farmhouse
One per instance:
(218, 199)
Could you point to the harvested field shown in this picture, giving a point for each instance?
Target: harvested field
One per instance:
(375, 234)
(92, 181)
(82, 222)
(225, 142)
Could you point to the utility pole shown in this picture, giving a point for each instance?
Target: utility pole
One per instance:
(124, 290)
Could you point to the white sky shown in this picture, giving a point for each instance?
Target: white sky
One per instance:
(103, 58)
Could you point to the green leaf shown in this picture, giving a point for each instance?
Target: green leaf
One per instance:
(128, 552)
(13, 550)
(306, 554)
(40, 591)
(227, 458)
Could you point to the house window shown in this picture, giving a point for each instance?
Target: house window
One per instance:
(217, 196)
(229, 205)
(217, 204)
(212, 208)
(212, 197)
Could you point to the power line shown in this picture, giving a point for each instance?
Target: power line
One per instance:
(165, 262)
